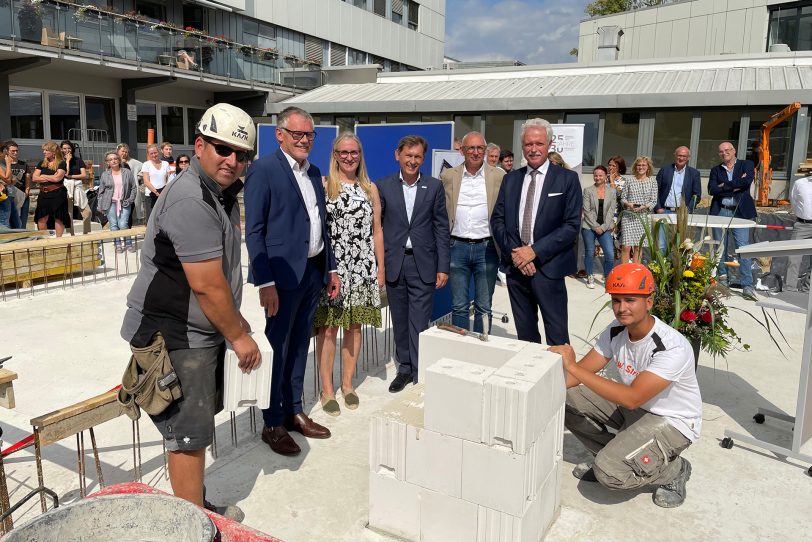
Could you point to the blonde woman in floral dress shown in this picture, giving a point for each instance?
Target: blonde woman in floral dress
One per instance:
(638, 199)
(354, 224)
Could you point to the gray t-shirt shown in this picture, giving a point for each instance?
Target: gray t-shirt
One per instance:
(192, 221)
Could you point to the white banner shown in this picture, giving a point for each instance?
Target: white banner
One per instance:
(568, 141)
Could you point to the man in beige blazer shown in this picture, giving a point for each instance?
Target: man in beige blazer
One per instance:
(470, 194)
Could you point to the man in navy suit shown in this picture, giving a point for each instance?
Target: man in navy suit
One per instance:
(677, 184)
(416, 245)
(291, 261)
(535, 222)
(729, 184)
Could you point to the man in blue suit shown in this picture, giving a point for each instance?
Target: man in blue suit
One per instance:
(291, 261)
(677, 184)
(729, 184)
(535, 222)
(416, 245)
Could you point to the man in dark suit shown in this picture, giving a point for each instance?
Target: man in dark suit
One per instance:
(729, 184)
(291, 261)
(416, 251)
(535, 222)
(677, 184)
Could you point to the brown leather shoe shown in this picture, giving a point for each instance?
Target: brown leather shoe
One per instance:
(304, 425)
(280, 441)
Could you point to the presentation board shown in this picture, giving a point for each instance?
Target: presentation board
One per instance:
(380, 142)
(568, 141)
(319, 155)
(444, 159)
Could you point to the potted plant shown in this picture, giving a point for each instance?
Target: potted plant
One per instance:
(30, 20)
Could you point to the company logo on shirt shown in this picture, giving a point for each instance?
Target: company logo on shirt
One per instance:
(626, 368)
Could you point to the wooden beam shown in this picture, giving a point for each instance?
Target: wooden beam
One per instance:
(7, 388)
(68, 421)
(52, 242)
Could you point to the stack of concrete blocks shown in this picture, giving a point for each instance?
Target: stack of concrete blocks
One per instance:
(475, 452)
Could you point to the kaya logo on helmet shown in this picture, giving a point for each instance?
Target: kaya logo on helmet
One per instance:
(630, 279)
(229, 124)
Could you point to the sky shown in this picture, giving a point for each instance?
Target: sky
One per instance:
(532, 31)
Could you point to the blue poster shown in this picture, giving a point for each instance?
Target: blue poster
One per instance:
(319, 154)
(381, 141)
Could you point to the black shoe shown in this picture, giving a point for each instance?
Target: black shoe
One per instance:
(673, 493)
(399, 382)
(584, 472)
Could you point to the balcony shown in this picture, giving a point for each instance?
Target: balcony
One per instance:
(74, 29)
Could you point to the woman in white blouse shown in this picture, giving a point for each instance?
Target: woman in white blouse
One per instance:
(154, 172)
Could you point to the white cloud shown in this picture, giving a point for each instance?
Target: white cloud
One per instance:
(532, 31)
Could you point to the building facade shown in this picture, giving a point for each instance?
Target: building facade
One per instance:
(645, 100)
(136, 70)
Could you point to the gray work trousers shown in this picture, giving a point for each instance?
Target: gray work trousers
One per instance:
(643, 451)
(799, 231)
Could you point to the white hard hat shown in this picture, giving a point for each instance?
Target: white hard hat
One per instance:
(230, 125)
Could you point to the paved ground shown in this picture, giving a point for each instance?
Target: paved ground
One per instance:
(66, 348)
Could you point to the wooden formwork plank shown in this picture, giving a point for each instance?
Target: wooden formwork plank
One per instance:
(68, 421)
(7, 388)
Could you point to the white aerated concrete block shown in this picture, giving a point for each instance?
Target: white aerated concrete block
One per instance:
(454, 395)
(497, 478)
(550, 499)
(436, 344)
(387, 432)
(394, 506)
(434, 461)
(247, 390)
(446, 519)
(510, 410)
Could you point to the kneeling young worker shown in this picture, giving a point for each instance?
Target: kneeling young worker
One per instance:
(655, 410)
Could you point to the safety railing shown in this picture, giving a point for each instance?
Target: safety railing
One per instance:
(79, 29)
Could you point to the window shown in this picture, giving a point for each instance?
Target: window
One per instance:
(172, 124)
(620, 131)
(672, 129)
(338, 55)
(499, 130)
(147, 120)
(26, 114)
(195, 16)
(193, 116)
(64, 115)
(356, 57)
(100, 114)
(792, 27)
(397, 11)
(779, 139)
(590, 122)
(153, 10)
(379, 7)
(414, 10)
(466, 123)
(259, 34)
(717, 126)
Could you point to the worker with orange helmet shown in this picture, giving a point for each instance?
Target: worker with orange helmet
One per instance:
(654, 410)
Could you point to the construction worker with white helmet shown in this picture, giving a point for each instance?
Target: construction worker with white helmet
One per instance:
(185, 300)
(656, 408)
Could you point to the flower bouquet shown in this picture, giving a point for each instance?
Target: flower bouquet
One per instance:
(688, 297)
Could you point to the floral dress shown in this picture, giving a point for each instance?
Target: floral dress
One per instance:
(643, 192)
(349, 223)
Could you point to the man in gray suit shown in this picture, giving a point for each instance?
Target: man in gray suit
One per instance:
(470, 194)
(416, 246)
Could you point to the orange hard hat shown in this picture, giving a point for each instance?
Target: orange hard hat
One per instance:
(630, 278)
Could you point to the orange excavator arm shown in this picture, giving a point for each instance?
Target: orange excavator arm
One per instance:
(765, 169)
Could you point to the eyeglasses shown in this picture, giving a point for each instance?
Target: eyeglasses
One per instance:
(474, 149)
(297, 135)
(225, 151)
(187, 161)
(347, 154)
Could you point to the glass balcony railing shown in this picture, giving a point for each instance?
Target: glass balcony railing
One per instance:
(84, 30)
